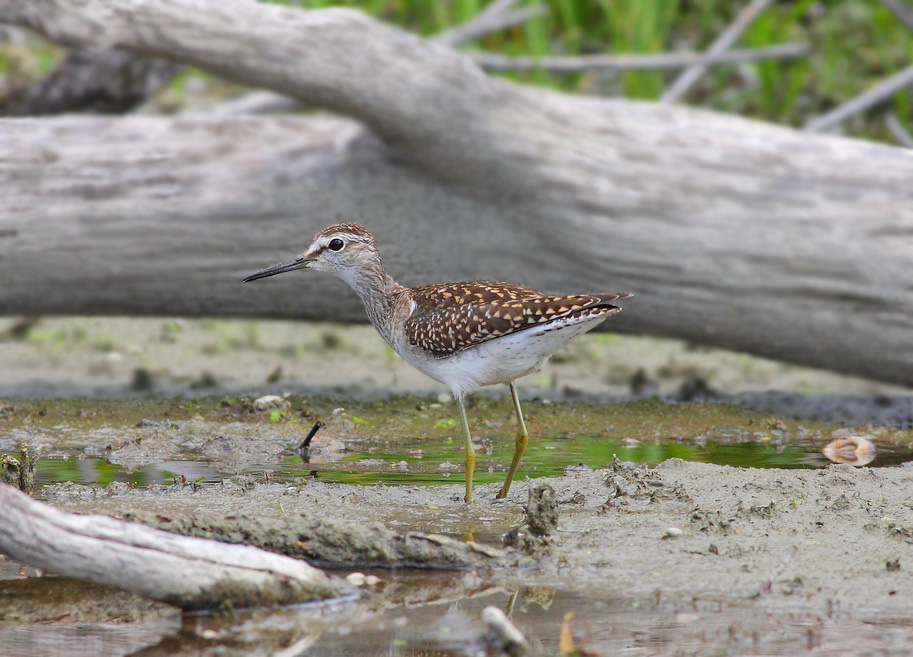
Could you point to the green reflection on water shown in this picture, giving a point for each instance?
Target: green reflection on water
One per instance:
(441, 461)
(97, 471)
(542, 458)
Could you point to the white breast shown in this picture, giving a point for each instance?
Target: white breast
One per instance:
(500, 360)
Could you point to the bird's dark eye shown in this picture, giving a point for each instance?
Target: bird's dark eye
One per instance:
(336, 244)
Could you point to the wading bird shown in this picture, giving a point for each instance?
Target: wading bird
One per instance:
(465, 335)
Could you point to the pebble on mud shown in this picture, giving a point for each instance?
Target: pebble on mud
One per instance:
(672, 532)
(854, 450)
(271, 403)
(508, 638)
(360, 579)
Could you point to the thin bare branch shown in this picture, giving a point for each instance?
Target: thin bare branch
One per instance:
(903, 13)
(898, 131)
(497, 7)
(687, 78)
(864, 101)
(638, 62)
(495, 17)
(255, 102)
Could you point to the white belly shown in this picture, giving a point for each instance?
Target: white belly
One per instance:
(503, 359)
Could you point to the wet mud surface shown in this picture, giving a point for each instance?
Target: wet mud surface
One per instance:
(744, 534)
(705, 558)
(683, 528)
(724, 560)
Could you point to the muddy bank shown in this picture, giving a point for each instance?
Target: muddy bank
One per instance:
(671, 557)
(745, 534)
(739, 557)
(809, 539)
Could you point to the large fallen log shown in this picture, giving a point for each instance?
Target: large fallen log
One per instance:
(731, 232)
(190, 573)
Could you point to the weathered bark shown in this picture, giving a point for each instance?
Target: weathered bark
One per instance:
(730, 232)
(110, 82)
(191, 573)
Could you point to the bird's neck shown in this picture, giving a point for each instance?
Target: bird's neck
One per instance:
(378, 292)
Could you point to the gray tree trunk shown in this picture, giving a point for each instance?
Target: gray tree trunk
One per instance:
(730, 232)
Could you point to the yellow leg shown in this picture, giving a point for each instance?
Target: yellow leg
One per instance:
(519, 446)
(470, 452)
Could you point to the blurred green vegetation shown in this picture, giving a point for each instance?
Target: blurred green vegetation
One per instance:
(855, 44)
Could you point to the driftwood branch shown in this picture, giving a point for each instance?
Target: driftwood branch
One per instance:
(116, 82)
(727, 38)
(730, 232)
(870, 98)
(658, 61)
(191, 573)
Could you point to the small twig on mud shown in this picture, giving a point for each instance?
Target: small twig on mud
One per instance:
(566, 638)
(305, 446)
(687, 78)
(669, 60)
(864, 101)
(498, 15)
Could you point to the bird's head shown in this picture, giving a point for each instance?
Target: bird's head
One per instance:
(343, 249)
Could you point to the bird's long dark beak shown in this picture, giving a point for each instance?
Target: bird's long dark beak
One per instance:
(298, 263)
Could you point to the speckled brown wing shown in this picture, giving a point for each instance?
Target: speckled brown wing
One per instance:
(451, 317)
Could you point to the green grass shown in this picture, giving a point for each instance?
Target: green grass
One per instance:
(856, 44)
(640, 26)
